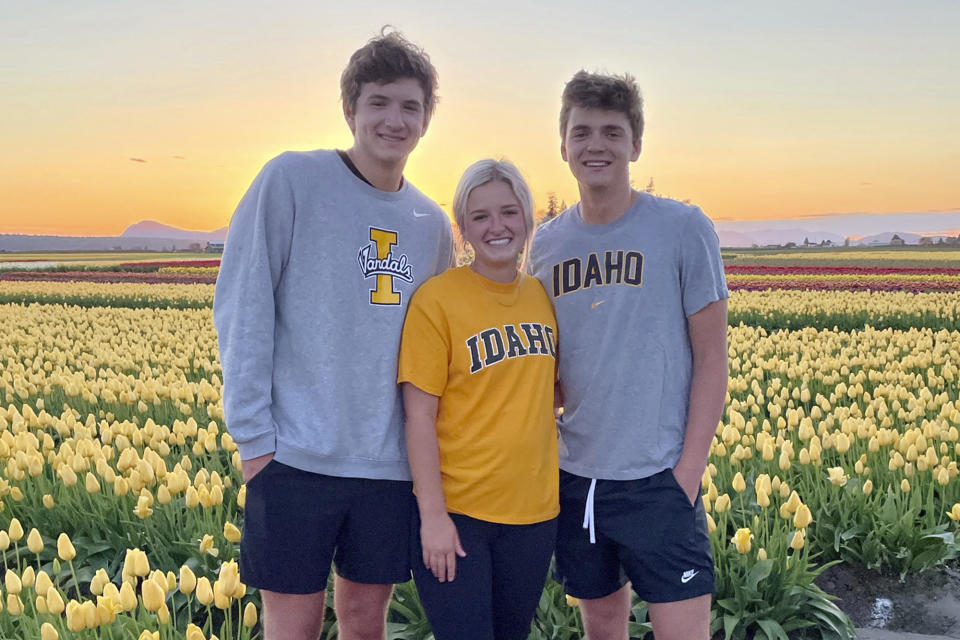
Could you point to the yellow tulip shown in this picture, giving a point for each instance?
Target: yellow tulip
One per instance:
(4, 541)
(206, 545)
(15, 530)
(91, 484)
(99, 581)
(250, 615)
(943, 476)
(242, 497)
(153, 595)
(42, 583)
(204, 591)
(40, 604)
(722, 503)
(149, 635)
(711, 524)
(905, 486)
(128, 598)
(803, 517)
(34, 541)
(28, 578)
(738, 482)
(188, 580)
(231, 532)
(12, 582)
(741, 540)
(221, 598)
(65, 549)
(799, 537)
(837, 477)
(48, 632)
(954, 513)
(75, 620)
(761, 554)
(163, 614)
(192, 498)
(194, 632)
(55, 604)
(14, 604)
(106, 610)
(89, 612)
(868, 487)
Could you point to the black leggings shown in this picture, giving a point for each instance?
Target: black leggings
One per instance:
(497, 586)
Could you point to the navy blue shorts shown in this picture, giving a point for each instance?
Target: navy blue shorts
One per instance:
(497, 587)
(296, 523)
(646, 531)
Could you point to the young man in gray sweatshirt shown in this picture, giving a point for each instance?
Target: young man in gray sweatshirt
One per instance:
(323, 254)
(639, 292)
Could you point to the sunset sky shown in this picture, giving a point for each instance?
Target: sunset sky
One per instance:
(116, 112)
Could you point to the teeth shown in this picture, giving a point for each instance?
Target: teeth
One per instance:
(499, 241)
(596, 164)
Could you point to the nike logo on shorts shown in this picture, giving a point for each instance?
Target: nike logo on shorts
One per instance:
(688, 576)
(417, 214)
(597, 304)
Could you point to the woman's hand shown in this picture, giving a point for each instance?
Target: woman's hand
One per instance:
(441, 546)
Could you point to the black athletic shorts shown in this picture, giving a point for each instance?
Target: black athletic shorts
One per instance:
(296, 523)
(646, 532)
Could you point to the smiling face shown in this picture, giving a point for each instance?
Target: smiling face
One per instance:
(387, 122)
(599, 147)
(494, 226)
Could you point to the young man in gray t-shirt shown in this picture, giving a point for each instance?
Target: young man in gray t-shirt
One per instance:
(640, 296)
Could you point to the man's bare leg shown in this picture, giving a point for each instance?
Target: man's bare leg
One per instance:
(292, 616)
(681, 620)
(361, 609)
(606, 618)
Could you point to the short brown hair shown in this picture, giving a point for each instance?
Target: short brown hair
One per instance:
(384, 59)
(597, 91)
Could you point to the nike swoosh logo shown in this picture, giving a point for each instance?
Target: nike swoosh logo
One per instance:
(688, 576)
(597, 304)
(417, 214)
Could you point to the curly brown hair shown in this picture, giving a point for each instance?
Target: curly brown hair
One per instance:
(598, 91)
(384, 59)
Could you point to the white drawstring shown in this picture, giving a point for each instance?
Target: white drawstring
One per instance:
(588, 511)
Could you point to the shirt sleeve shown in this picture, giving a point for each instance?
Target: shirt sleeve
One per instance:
(256, 252)
(702, 280)
(425, 345)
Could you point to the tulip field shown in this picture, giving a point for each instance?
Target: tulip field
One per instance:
(121, 499)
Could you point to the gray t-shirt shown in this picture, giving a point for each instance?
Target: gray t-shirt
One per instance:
(622, 293)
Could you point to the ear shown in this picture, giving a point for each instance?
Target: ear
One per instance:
(348, 115)
(636, 150)
(426, 123)
(563, 150)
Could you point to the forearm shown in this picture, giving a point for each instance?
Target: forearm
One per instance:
(708, 388)
(423, 450)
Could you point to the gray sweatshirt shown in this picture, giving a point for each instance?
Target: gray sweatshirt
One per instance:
(314, 283)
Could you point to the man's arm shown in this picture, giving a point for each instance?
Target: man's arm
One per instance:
(708, 388)
(257, 248)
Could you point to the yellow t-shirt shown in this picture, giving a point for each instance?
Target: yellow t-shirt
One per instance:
(488, 350)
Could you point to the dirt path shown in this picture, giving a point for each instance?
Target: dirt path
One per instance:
(925, 606)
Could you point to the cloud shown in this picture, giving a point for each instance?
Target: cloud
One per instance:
(866, 184)
(137, 160)
(723, 219)
(179, 158)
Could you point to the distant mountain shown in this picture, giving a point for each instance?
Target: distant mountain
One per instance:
(886, 237)
(146, 235)
(153, 229)
(762, 237)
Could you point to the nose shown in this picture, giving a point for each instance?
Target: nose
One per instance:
(595, 143)
(393, 118)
